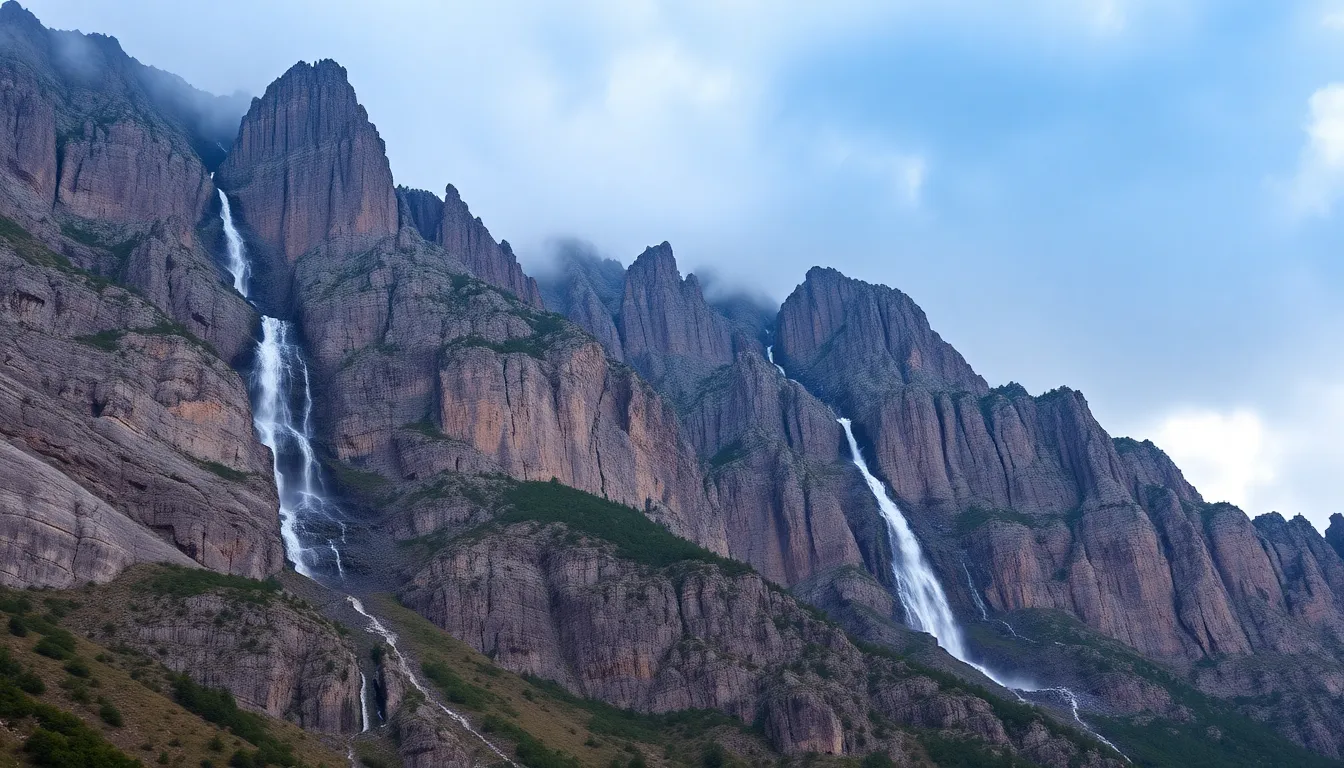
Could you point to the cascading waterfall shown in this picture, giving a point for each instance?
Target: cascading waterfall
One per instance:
(311, 525)
(923, 597)
(770, 355)
(917, 585)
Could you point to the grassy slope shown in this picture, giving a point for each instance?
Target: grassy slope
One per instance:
(153, 724)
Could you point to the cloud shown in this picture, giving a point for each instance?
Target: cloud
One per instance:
(1320, 174)
(901, 175)
(1228, 456)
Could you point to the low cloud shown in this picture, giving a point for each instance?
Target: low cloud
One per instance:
(1320, 174)
(1229, 456)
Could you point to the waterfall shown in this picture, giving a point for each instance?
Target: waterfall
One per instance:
(377, 627)
(922, 596)
(311, 525)
(770, 355)
(237, 253)
(282, 407)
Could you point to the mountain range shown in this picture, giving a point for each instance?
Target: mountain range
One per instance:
(587, 517)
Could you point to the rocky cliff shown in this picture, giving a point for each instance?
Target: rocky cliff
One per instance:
(449, 223)
(272, 651)
(98, 156)
(139, 426)
(668, 332)
(774, 457)
(309, 168)
(1049, 510)
(541, 601)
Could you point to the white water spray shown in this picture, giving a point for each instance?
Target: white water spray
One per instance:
(310, 525)
(237, 253)
(770, 355)
(922, 596)
(390, 637)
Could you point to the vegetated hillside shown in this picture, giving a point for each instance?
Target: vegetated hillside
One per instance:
(66, 701)
(594, 596)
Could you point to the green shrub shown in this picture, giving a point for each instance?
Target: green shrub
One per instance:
(454, 688)
(51, 649)
(17, 627)
(179, 582)
(636, 537)
(110, 714)
(78, 668)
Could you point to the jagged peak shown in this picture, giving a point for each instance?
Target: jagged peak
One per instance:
(11, 12)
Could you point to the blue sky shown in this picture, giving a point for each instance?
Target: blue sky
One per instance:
(1136, 198)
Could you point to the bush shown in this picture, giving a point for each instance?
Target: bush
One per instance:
(17, 627)
(78, 668)
(51, 649)
(177, 581)
(110, 714)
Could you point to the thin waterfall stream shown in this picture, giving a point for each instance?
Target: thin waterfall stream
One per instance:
(921, 593)
(312, 526)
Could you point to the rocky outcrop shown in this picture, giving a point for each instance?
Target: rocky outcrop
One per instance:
(98, 157)
(775, 461)
(1335, 533)
(106, 391)
(1049, 511)
(309, 168)
(539, 602)
(449, 223)
(852, 341)
(422, 370)
(465, 237)
(588, 290)
(668, 332)
(424, 742)
(272, 651)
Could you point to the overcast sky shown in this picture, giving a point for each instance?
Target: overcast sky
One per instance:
(1137, 198)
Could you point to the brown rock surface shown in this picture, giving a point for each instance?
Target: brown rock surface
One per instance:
(449, 223)
(272, 651)
(101, 387)
(668, 332)
(422, 369)
(688, 635)
(98, 159)
(785, 490)
(309, 168)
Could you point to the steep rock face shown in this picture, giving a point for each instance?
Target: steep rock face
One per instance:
(423, 742)
(53, 533)
(1048, 509)
(274, 653)
(784, 488)
(449, 223)
(422, 371)
(465, 237)
(98, 159)
(688, 636)
(668, 332)
(588, 290)
(1335, 533)
(99, 385)
(308, 167)
(848, 339)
